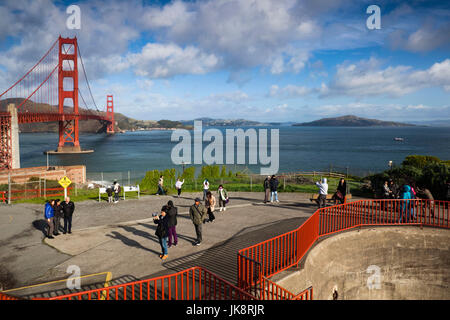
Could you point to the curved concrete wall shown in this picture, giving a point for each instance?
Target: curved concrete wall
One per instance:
(377, 263)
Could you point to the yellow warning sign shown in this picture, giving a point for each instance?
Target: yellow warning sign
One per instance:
(65, 182)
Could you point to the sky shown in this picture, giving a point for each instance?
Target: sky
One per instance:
(262, 60)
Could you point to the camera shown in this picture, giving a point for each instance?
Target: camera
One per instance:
(154, 214)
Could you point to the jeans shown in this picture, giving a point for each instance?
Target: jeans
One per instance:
(68, 223)
(322, 200)
(179, 191)
(50, 227)
(116, 196)
(56, 221)
(163, 243)
(160, 190)
(173, 235)
(204, 193)
(273, 195)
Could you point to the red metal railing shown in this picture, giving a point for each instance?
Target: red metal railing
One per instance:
(191, 284)
(3, 196)
(284, 251)
(34, 193)
(6, 297)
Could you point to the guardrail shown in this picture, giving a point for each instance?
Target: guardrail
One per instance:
(265, 259)
(33, 193)
(194, 283)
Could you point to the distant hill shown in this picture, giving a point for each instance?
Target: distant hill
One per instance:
(433, 123)
(209, 122)
(351, 121)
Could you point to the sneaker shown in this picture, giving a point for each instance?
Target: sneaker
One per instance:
(278, 201)
(197, 243)
(160, 256)
(220, 209)
(164, 257)
(224, 209)
(50, 237)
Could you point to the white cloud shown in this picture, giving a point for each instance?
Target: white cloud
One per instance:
(367, 78)
(290, 91)
(166, 60)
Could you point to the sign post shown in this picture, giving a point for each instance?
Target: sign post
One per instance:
(65, 182)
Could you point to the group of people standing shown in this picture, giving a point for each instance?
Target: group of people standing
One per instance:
(54, 211)
(338, 196)
(271, 189)
(198, 213)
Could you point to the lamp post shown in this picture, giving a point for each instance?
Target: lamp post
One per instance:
(390, 164)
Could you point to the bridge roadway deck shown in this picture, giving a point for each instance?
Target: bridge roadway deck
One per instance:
(120, 239)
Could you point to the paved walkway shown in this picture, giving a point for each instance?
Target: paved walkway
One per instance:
(120, 238)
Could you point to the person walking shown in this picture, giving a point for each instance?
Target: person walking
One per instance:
(68, 208)
(162, 232)
(223, 198)
(323, 191)
(178, 186)
(58, 214)
(266, 186)
(160, 186)
(205, 188)
(197, 213)
(172, 213)
(273, 189)
(210, 204)
(49, 215)
(117, 188)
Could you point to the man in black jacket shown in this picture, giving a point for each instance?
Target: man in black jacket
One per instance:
(172, 213)
(68, 208)
(273, 189)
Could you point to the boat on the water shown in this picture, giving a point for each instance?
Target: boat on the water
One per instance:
(398, 139)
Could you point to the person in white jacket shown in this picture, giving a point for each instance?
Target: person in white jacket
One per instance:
(178, 186)
(323, 191)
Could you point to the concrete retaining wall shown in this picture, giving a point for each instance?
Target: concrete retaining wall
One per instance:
(377, 263)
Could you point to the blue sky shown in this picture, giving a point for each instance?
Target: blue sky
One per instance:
(263, 60)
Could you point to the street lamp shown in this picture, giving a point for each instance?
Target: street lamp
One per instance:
(390, 164)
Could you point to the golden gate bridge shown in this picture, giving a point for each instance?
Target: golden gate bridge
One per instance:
(40, 96)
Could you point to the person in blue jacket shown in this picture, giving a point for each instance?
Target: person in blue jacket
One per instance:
(406, 205)
(49, 216)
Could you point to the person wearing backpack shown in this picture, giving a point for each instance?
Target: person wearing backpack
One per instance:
(162, 232)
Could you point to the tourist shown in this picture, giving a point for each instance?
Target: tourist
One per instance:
(406, 204)
(341, 191)
(178, 186)
(49, 215)
(429, 203)
(58, 214)
(68, 209)
(162, 232)
(172, 213)
(223, 198)
(387, 193)
(273, 189)
(266, 186)
(323, 191)
(109, 191)
(117, 188)
(160, 186)
(394, 189)
(197, 213)
(205, 188)
(210, 203)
